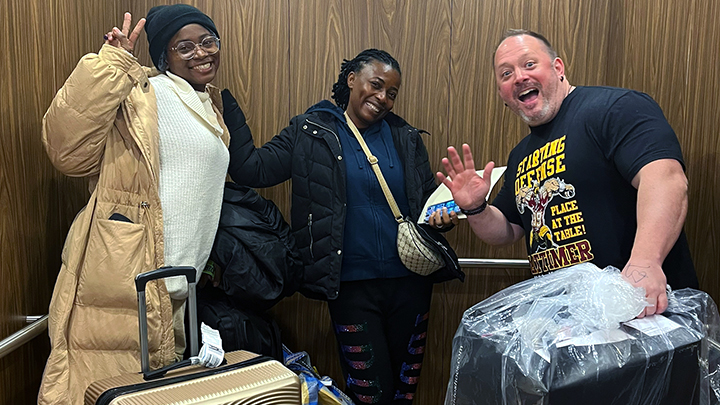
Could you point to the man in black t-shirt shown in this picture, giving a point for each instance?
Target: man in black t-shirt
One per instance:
(600, 178)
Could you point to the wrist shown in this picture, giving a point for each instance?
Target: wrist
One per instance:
(646, 257)
(648, 267)
(474, 211)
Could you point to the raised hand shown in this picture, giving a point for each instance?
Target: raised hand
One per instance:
(124, 38)
(467, 187)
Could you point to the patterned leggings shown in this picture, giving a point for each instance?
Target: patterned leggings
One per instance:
(381, 328)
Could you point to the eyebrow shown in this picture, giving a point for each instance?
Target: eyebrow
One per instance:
(525, 55)
(383, 82)
(203, 36)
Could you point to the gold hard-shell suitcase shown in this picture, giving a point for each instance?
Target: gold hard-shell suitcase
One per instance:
(246, 378)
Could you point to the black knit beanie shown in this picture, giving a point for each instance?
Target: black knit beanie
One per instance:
(163, 22)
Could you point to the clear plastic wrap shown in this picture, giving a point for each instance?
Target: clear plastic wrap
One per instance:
(569, 337)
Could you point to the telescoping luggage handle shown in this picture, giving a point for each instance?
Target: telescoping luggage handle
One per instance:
(140, 281)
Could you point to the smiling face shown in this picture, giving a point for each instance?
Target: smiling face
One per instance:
(202, 68)
(372, 93)
(528, 79)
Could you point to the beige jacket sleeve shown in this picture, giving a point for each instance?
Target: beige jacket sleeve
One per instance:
(82, 113)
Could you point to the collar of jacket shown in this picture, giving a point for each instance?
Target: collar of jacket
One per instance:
(327, 120)
(395, 120)
(192, 99)
(214, 92)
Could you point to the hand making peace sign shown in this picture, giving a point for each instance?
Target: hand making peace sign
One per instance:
(125, 39)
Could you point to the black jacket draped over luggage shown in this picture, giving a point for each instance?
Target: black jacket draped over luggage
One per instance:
(255, 249)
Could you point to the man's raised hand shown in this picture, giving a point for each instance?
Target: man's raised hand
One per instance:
(467, 187)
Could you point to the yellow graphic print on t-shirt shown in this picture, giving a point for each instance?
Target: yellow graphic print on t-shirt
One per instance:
(534, 190)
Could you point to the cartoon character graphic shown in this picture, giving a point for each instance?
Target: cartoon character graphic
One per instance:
(537, 198)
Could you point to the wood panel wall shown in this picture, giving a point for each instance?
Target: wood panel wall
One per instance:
(44, 41)
(281, 56)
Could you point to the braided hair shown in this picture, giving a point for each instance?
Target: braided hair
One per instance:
(340, 90)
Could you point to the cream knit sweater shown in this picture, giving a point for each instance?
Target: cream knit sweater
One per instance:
(193, 165)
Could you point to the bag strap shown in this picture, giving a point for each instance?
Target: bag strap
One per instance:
(374, 164)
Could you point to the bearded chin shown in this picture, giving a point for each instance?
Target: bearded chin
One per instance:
(537, 119)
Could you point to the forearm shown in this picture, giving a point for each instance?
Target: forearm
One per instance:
(661, 210)
(260, 167)
(493, 228)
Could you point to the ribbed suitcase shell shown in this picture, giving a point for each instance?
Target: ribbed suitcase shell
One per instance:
(267, 382)
(246, 379)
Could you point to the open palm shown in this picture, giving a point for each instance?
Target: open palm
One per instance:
(467, 187)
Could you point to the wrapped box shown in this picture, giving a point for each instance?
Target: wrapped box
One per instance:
(565, 338)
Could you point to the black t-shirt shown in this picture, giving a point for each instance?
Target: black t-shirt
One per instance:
(568, 183)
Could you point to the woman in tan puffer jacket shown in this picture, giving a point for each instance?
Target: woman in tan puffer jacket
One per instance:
(155, 149)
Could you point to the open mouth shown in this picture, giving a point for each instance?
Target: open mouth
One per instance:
(528, 95)
(373, 107)
(203, 67)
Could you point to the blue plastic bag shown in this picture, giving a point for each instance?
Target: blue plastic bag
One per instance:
(316, 389)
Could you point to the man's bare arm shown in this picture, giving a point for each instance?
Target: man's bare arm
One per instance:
(661, 210)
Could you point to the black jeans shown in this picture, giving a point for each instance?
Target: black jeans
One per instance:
(381, 328)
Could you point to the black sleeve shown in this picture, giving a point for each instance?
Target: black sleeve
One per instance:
(427, 177)
(266, 166)
(635, 132)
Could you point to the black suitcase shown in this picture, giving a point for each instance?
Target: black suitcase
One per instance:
(240, 328)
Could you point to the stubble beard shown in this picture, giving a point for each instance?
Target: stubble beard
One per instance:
(538, 118)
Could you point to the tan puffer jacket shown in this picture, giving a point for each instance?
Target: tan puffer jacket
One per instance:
(102, 124)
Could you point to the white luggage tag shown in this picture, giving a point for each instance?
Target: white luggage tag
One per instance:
(211, 353)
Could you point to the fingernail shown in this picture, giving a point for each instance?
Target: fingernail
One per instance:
(105, 37)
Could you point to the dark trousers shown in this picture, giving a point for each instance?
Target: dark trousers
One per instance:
(381, 328)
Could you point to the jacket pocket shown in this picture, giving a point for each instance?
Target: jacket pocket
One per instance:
(115, 254)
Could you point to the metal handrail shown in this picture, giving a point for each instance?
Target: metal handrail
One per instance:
(24, 335)
(38, 324)
(495, 263)
(34, 318)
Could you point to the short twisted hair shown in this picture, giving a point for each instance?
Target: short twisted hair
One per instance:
(340, 90)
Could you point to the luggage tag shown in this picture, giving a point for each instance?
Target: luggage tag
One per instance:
(654, 325)
(211, 353)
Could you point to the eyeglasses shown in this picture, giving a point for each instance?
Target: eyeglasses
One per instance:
(187, 49)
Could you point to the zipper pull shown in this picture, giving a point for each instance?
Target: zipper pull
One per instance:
(142, 207)
(312, 255)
